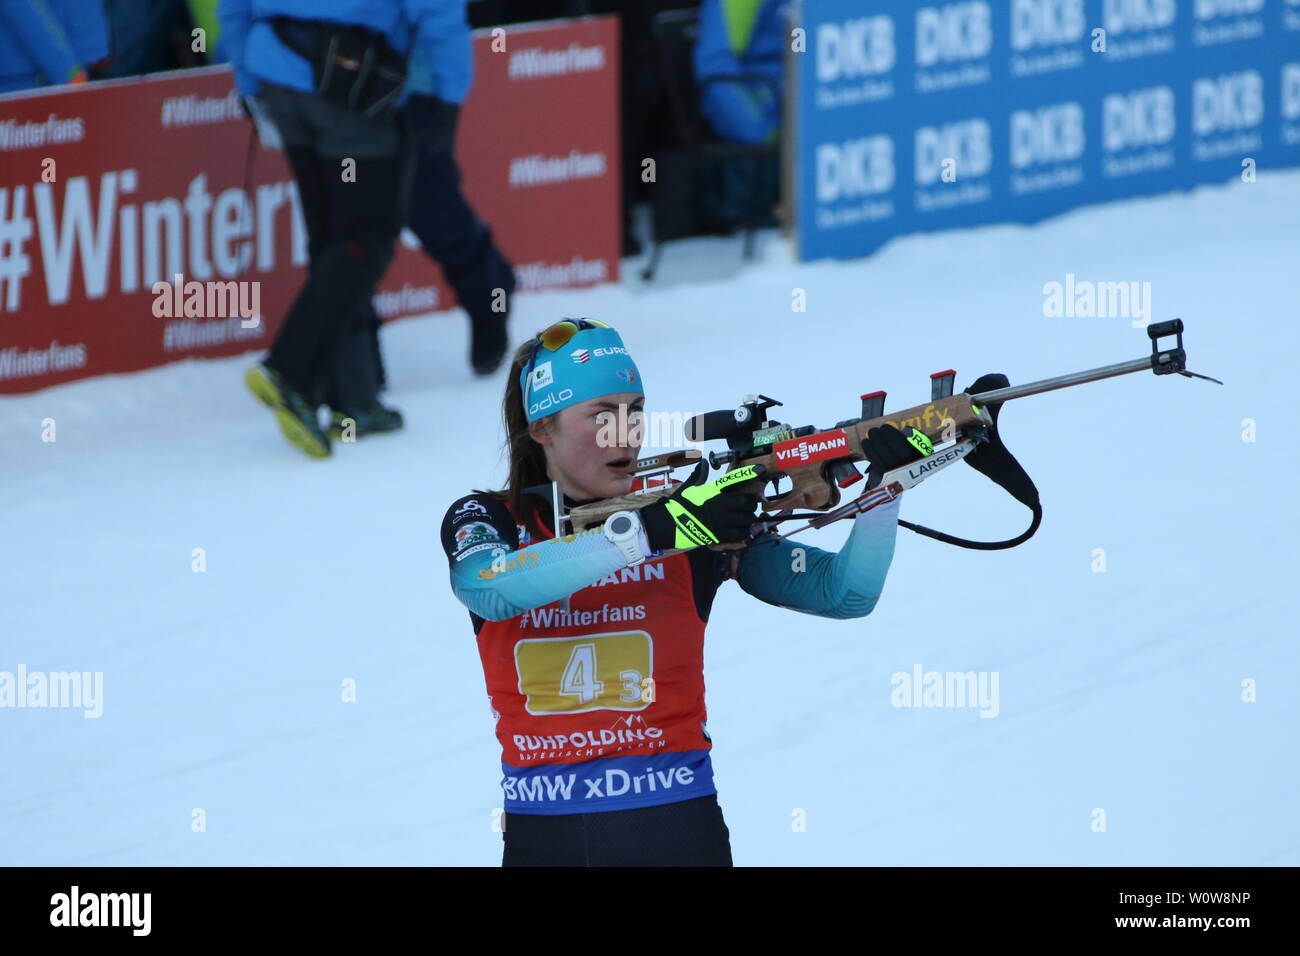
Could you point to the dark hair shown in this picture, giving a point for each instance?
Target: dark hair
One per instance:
(527, 457)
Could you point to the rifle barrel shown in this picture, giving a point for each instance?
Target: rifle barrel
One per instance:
(1062, 381)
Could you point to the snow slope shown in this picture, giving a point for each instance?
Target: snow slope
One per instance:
(1119, 690)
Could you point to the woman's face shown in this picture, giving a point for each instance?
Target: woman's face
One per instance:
(592, 446)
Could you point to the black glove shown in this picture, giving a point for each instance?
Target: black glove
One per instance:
(430, 122)
(888, 448)
(699, 513)
(991, 458)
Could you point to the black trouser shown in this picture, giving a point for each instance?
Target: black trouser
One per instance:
(454, 236)
(686, 833)
(440, 216)
(323, 348)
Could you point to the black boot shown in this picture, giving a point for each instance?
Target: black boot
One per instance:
(488, 341)
(351, 425)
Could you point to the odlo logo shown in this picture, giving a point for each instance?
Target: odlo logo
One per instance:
(564, 395)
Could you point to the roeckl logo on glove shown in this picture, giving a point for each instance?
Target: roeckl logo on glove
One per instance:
(694, 530)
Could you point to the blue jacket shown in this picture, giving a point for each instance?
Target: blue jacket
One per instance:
(256, 53)
(449, 72)
(742, 36)
(44, 42)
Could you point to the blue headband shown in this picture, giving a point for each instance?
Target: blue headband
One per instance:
(593, 363)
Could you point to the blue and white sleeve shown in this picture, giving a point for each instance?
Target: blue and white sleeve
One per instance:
(840, 585)
(497, 580)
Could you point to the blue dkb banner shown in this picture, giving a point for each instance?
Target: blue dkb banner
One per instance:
(915, 116)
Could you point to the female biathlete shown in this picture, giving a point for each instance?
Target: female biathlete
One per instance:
(593, 655)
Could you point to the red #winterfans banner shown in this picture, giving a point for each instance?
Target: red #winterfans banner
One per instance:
(141, 222)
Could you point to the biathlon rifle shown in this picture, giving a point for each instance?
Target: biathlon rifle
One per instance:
(818, 463)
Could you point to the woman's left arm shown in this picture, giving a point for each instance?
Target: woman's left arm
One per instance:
(839, 585)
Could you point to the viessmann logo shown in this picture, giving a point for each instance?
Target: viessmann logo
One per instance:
(823, 445)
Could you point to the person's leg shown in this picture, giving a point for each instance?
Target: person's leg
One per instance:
(373, 322)
(460, 242)
(310, 178)
(359, 165)
(352, 262)
(292, 351)
(313, 199)
(286, 392)
(314, 175)
(370, 319)
(453, 235)
(355, 368)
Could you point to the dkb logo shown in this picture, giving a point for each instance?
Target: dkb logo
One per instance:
(853, 48)
(1050, 134)
(1208, 9)
(1291, 91)
(1138, 118)
(968, 142)
(856, 167)
(1230, 101)
(1045, 22)
(958, 31)
(1123, 16)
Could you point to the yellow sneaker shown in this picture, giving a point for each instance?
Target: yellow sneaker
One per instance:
(295, 415)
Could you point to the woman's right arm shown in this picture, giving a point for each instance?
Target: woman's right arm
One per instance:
(497, 580)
